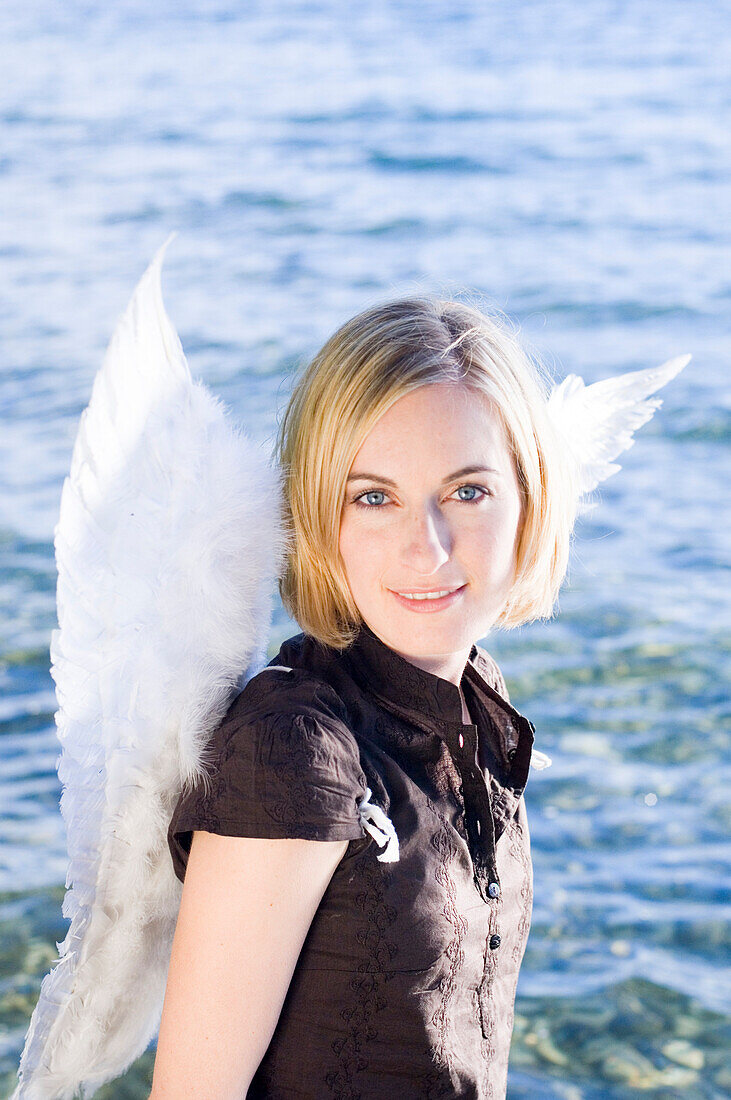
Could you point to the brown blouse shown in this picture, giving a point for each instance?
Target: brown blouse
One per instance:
(406, 982)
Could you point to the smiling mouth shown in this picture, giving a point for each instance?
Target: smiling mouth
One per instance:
(433, 594)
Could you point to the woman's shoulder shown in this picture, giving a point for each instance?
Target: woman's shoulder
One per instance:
(283, 762)
(294, 682)
(288, 709)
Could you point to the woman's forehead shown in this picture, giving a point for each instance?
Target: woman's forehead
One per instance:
(438, 419)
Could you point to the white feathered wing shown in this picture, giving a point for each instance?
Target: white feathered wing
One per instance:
(596, 423)
(167, 546)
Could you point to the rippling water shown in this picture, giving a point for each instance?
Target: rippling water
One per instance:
(569, 163)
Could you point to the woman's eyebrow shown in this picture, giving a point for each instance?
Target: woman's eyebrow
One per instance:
(476, 469)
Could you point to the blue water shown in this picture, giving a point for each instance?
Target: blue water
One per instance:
(567, 163)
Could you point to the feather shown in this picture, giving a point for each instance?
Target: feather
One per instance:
(168, 541)
(539, 760)
(597, 422)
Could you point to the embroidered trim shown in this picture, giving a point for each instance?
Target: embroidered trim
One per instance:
(441, 1052)
(519, 849)
(375, 822)
(360, 1014)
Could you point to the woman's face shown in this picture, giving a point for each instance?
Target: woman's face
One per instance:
(413, 523)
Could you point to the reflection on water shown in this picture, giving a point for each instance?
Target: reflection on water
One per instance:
(570, 162)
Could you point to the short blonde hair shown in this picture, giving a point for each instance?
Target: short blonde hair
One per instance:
(371, 361)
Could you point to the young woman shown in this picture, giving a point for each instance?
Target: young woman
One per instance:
(357, 873)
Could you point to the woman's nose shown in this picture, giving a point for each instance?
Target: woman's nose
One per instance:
(427, 542)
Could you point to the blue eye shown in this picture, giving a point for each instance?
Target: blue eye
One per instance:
(369, 493)
(470, 500)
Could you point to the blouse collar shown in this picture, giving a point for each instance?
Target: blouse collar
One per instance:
(427, 702)
(390, 675)
(430, 700)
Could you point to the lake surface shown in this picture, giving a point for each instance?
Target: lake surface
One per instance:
(566, 163)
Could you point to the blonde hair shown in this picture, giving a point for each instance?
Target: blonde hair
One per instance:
(371, 361)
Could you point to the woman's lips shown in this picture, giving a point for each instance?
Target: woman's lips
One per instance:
(426, 606)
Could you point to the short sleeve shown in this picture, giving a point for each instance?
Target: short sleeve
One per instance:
(274, 775)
